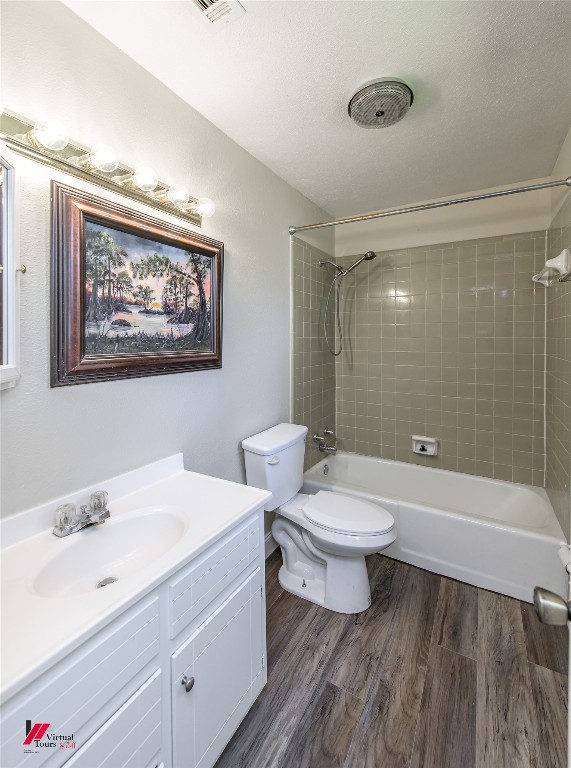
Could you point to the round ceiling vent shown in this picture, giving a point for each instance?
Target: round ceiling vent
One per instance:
(380, 104)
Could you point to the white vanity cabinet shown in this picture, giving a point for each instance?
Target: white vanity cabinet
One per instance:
(216, 675)
(218, 668)
(131, 738)
(167, 682)
(94, 684)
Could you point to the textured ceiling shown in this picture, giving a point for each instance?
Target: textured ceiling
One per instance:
(491, 82)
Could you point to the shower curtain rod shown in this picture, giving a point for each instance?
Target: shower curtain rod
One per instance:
(429, 206)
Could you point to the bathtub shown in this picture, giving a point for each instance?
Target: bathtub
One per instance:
(489, 533)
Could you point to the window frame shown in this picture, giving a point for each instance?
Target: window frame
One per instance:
(10, 363)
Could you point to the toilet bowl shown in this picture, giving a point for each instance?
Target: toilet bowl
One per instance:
(323, 538)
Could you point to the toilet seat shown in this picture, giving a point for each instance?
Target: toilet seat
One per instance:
(345, 514)
(325, 563)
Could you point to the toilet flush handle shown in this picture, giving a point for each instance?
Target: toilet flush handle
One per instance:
(274, 460)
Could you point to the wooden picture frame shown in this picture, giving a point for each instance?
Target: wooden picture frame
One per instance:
(131, 295)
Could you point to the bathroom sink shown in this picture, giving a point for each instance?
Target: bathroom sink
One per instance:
(109, 552)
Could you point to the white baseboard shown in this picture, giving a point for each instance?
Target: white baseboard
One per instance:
(270, 543)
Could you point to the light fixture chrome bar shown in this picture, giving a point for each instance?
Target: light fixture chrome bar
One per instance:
(13, 127)
(430, 206)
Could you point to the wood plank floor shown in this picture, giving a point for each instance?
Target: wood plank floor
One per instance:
(436, 674)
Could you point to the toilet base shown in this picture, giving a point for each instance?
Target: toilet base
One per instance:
(310, 589)
(339, 583)
(314, 591)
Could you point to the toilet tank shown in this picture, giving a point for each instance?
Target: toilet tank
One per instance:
(274, 461)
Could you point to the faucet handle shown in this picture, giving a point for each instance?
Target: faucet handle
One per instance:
(330, 432)
(65, 516)
(98, 501)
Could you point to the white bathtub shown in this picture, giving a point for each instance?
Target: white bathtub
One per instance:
(496, 535)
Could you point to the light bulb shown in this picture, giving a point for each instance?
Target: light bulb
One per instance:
(49, 134)
(102, 158)
(145, 178)
(177, 194)
(204, 207)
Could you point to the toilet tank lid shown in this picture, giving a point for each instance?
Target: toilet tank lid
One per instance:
(275, 439)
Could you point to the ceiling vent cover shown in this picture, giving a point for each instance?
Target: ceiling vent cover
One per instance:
(219, 11)
(380, 104)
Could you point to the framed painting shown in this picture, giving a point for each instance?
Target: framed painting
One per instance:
(131, 295)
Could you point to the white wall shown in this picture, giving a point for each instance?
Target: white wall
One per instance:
(561, 170)
(57, 440)
(526, 212)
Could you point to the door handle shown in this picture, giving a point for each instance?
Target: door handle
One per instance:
(550, 608)
(188, 683)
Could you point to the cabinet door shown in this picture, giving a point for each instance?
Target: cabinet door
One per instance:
(218, 665)
(129, 739)
(73, 695)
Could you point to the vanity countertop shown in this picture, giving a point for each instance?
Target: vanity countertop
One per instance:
(40, 626)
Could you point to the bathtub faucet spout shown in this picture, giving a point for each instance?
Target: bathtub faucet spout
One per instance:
(322, 443)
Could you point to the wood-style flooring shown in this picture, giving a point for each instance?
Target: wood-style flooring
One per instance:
(436, 674)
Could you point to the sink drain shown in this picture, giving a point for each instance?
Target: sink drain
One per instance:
(108, 580)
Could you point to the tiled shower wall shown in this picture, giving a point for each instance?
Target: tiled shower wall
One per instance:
(313, 365)
(448, 341)
(558, 377)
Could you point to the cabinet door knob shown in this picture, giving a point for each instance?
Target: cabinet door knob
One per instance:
(188, 683)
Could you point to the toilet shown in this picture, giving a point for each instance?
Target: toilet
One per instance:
(325, 537)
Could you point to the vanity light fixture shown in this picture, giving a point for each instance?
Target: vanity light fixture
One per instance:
(101, 158)
(204, 207)
(47, 134)
(143, 177)
(47, 142)
(176, 194)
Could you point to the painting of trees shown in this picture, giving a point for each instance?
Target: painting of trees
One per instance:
(180, 281)
(123, 286)
(132, 295)
(175, 297)
(101, 256)
(158, 295)
(199, 265)
(144, 293)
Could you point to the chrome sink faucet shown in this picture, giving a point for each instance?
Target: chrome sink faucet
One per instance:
(322, 443)
(68, 521)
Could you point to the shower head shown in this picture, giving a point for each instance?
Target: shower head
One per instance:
(367, 257)
(380, 104)
(323, 262)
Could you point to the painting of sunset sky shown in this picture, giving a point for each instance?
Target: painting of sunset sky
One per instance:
(143, 295)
